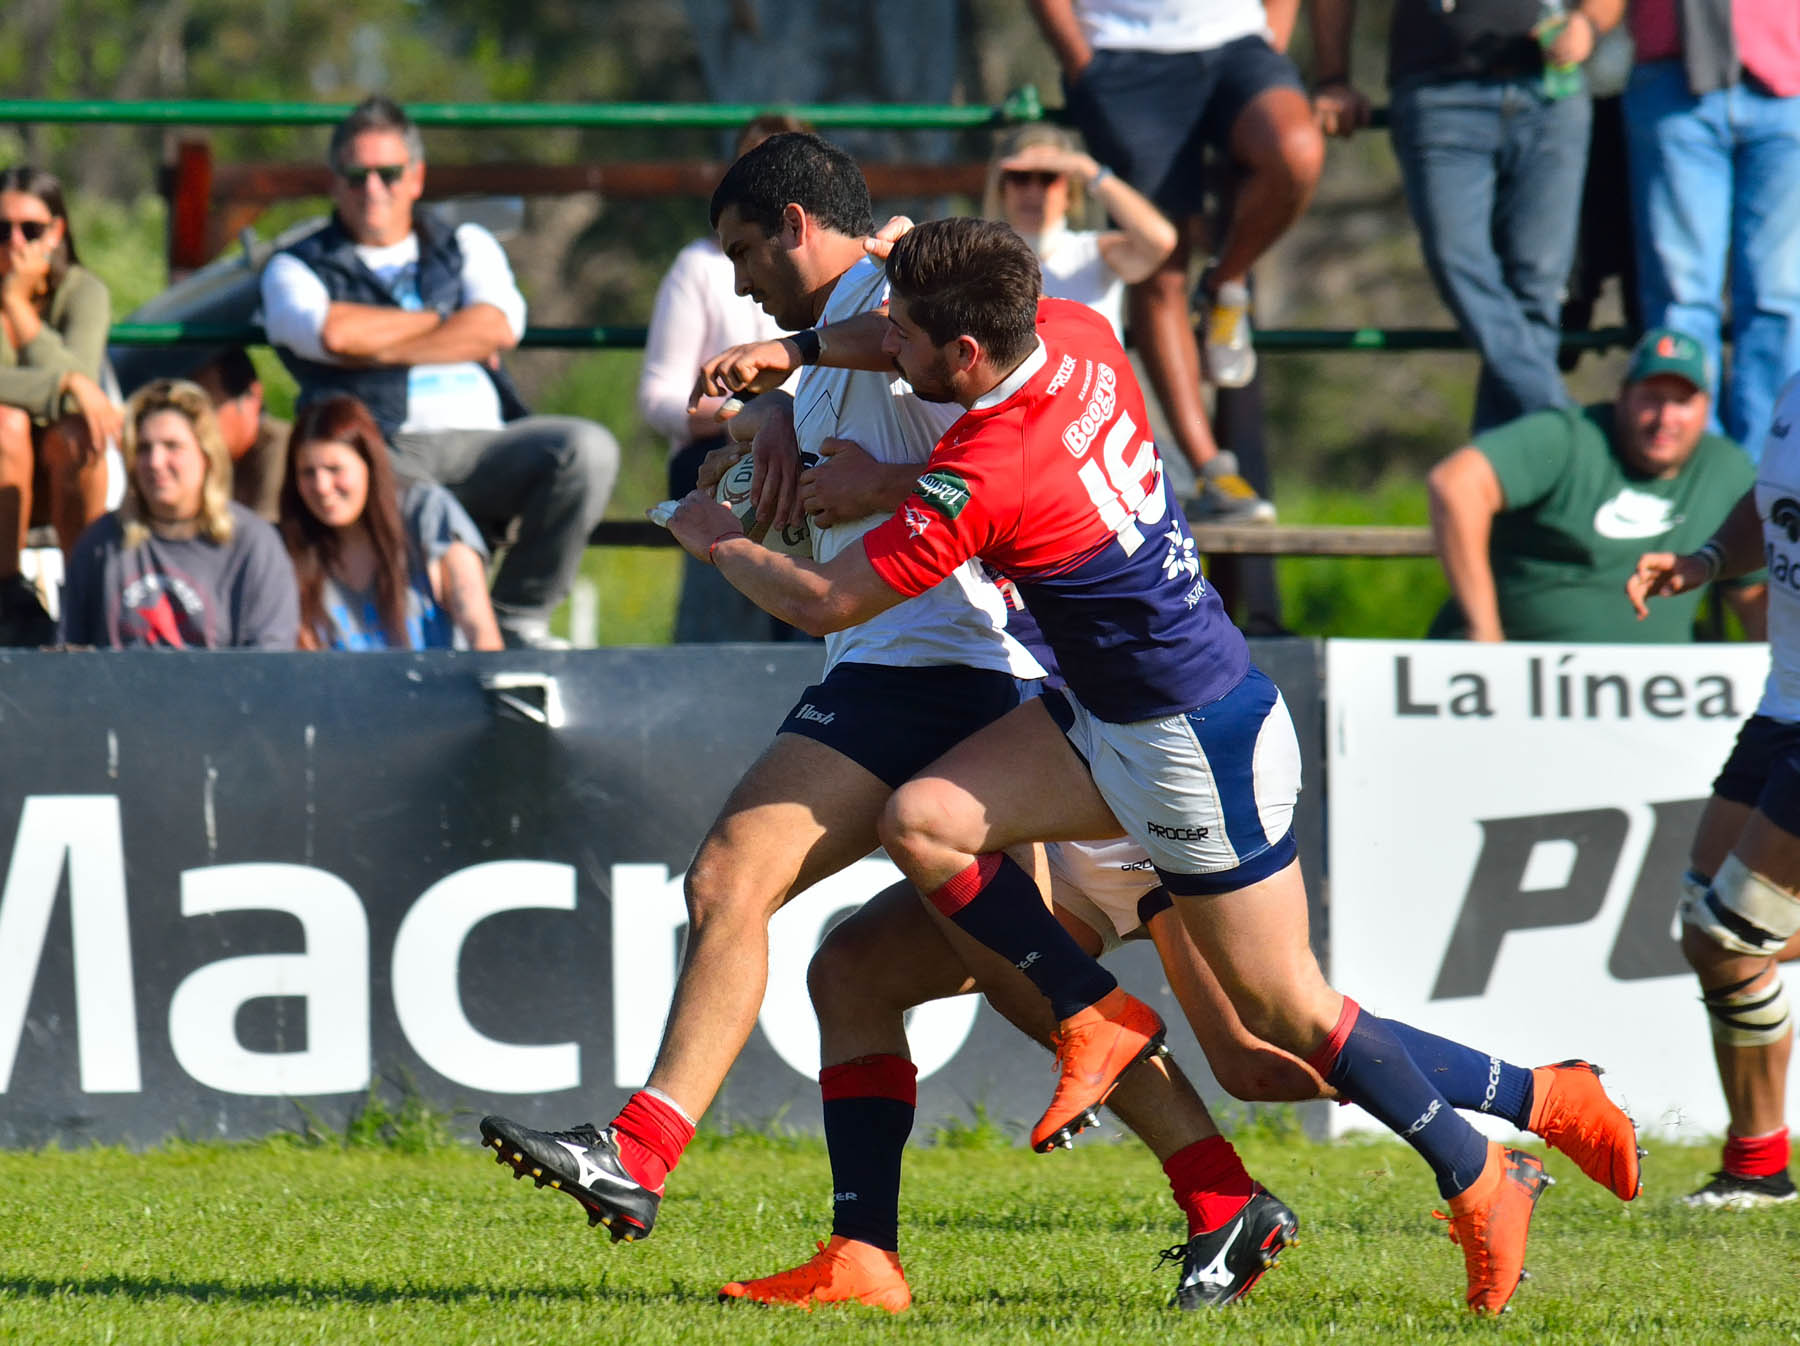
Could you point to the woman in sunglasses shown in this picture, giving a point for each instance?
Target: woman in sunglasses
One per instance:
(1037, 181)
(54, 418)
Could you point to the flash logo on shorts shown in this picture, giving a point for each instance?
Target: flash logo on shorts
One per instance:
(816, 716)
(1177, 833)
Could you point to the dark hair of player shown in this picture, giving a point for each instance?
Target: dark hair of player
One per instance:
(796, 168)
(970, 277)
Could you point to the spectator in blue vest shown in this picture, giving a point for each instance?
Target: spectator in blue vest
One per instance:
(390, 304)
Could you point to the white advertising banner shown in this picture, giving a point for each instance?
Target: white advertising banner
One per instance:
(1508, 826)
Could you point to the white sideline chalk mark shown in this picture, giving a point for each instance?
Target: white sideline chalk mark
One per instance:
(112, 755)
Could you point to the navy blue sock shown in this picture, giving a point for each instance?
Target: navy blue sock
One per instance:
(996, 902)
(1364, 1061)
(869, 1106)
(1470, 1079)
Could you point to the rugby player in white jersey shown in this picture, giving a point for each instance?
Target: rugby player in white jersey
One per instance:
(1740, 897)
(900, 689)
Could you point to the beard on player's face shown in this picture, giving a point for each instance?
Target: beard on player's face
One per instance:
(779, 288)
(931, 382)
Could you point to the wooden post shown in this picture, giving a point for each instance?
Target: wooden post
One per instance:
(188, 189)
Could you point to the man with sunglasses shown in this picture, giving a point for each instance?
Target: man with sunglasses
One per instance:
(389, 303)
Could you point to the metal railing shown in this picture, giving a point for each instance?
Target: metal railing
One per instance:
(1022, 106)
(1298, 340)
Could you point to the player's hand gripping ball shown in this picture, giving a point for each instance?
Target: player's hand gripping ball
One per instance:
(733, 492)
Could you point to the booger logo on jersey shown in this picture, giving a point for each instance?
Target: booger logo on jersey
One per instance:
(1100, 407)
(946, 492)
(1635, 514)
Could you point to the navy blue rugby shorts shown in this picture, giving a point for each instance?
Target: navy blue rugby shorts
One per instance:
(894, 722)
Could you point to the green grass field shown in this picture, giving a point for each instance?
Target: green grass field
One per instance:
(281, 1242)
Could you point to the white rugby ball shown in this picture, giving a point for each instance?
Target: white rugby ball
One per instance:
(733, 492)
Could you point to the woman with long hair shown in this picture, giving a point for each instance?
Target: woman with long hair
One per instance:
(378, 567)
(55, 420)
(179, 565)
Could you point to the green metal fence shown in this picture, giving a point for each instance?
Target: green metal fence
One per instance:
(1019, 107)
(632, 338)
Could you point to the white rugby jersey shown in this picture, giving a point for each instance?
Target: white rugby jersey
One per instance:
(1168, 25)
(962, 620)
(1778, 503)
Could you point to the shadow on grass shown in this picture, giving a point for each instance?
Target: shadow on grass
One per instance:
(317, 1293)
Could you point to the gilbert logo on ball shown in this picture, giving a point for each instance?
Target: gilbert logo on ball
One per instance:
(733, 492)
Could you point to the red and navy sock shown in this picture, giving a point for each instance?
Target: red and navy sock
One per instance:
(1210, 1183)
(1470, 1079)
(997, 903)
(869, 1105)
(652, 1131)
(1756, 1156)
(1364, 1061)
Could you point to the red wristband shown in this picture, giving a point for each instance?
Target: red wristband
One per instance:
(715, 545)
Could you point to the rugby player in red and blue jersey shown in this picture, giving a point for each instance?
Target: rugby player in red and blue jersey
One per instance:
(1165, 731)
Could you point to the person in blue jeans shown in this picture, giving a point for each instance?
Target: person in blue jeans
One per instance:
(1712, 121)
(1490, 119)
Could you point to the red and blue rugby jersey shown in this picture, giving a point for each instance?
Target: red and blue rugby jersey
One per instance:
(1052, 479)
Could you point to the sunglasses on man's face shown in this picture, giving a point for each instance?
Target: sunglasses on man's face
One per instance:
(30, 230)
(357, 175)
(1023, 178)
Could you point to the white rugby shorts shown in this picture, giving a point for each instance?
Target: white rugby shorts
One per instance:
(1209, 794)
(1102, 882)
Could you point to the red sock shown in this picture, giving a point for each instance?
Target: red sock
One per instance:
(1756, 1156)
(651, 1137)
(1210, 1183)
(1325, 1055)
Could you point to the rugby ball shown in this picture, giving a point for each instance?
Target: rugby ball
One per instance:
(733, 492)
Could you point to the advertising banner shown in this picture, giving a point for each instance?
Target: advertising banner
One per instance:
(243, 888)
(1508, 829)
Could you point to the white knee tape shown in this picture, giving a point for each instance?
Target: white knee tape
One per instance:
(1742, 911)
(1744, 1018)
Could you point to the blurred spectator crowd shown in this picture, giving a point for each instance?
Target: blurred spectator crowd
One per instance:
(1542, 146)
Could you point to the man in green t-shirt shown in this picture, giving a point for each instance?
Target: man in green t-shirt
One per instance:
(1540, 521)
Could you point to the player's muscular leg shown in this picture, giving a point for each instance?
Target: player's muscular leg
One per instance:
(1255, 942)
(1245, 1066)
(1754, 1076)
(1018, 780)
(802, 812)
(1721, 824)
(876, 964)
(1279, 153)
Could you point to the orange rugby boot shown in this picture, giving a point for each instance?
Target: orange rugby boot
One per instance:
(1572, 1113)
(1093, 1048)
(842, 1271)
(1490, 1220)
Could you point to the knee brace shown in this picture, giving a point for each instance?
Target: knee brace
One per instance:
(1741, 911)
(1746, 1018)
